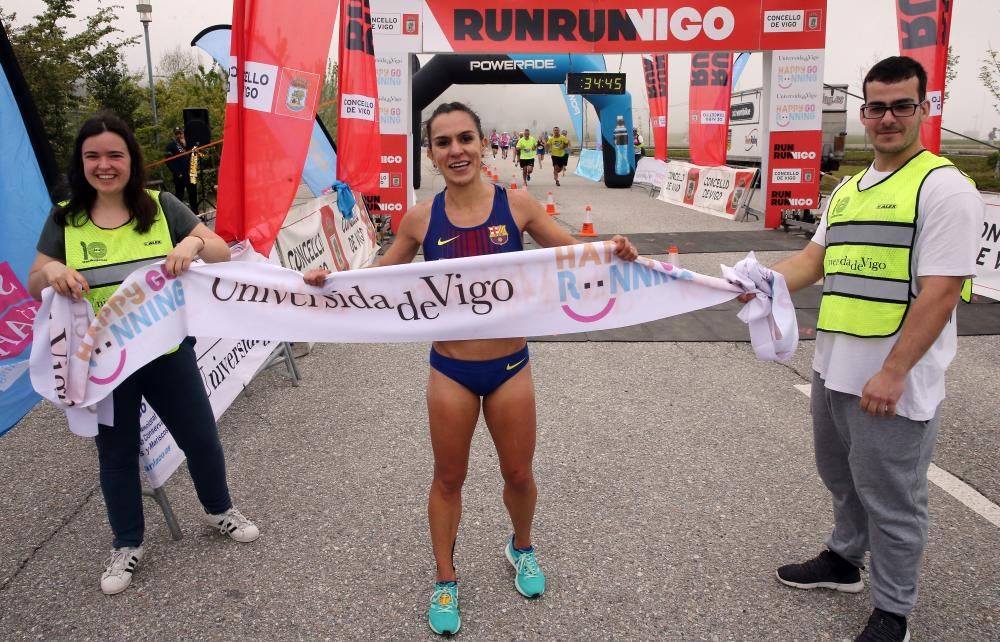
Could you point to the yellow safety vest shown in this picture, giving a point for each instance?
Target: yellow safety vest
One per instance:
(867, 286)
(105, 257)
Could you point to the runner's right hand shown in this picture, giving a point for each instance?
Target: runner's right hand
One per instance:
(315, 276)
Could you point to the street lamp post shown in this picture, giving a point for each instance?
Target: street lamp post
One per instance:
(146, 16)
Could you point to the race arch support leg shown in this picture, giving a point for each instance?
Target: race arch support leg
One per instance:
(619, 159)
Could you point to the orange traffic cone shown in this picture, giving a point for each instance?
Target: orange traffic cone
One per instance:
(513, 181)
(550, 206)
(588, 224)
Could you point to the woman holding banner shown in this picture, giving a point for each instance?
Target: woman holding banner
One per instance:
(109, 227)
(471, 217)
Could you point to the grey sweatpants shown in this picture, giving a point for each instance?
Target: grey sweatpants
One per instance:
(876, 471)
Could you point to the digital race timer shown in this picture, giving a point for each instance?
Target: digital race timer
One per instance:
(595, 83)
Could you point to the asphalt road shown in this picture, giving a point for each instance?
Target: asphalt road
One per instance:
(674, 477)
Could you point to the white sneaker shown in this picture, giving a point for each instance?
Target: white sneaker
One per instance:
(233, 523)
(122, 564)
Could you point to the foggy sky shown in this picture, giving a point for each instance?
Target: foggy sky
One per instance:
(859, 32)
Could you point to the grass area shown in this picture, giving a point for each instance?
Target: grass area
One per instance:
(860, 139)
(980, 168)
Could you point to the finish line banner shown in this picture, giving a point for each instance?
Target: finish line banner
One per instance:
(78, 359)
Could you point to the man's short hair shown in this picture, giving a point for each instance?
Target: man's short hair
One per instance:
(897, 69)
(178, 130)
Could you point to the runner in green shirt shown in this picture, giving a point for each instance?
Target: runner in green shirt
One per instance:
(526, 148)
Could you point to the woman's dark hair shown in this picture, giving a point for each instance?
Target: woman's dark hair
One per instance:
(140, 204)
(447, 108)
(897, 69)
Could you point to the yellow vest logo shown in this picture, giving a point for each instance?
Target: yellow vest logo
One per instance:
(841, 206)
(95, 251)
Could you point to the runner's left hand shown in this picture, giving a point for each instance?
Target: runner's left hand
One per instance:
(624, 248)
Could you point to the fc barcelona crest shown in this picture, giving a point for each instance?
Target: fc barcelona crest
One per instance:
(498, 234)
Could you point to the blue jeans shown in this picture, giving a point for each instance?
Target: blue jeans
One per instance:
(173, 387)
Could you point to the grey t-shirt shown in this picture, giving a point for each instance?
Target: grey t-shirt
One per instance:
(180, 220)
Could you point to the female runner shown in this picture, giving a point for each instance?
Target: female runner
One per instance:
(489, 374)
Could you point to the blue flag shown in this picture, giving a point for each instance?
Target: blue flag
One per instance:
(739, 64)
(24, 206)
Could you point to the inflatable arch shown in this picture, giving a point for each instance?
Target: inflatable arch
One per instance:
(445, 70)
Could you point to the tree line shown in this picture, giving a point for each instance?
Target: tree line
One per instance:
(76, 67)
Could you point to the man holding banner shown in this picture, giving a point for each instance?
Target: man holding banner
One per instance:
(893, 247)
(471, 218)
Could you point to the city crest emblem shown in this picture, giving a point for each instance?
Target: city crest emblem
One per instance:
(297, 91)
(498, 234)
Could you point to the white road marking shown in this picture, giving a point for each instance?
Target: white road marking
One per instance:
(950, 484)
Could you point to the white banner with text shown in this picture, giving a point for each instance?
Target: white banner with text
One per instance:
(650, 171)
(720, 191)
(316, 235)
(987, 281)
(227, 366)
(78, 359)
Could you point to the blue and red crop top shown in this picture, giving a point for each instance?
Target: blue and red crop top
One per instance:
(499, 233)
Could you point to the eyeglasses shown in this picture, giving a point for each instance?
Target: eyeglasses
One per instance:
(902, 110)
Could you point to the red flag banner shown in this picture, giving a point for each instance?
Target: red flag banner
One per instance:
(708, 107)
(924, 29)
(276, 70)
(359, 148)
(656, 91)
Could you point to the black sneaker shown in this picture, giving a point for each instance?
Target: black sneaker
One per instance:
(885, 627)
(826, 570)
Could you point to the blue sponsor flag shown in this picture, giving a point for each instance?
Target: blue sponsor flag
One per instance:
(26, 162)
(591, 165)
(739, 64)
(320, 170)
(574, 104)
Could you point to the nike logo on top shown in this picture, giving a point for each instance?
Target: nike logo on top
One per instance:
(440, 242)
(511, 366)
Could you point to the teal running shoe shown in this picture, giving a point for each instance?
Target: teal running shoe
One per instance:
(443, 615)
(529, 580)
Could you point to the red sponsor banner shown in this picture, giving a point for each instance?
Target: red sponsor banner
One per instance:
(924, 30)
(275, 77)
(793, 168)
(392, 180)
(655, 68)
(358, 145)
(590, 26)
(708, 107)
